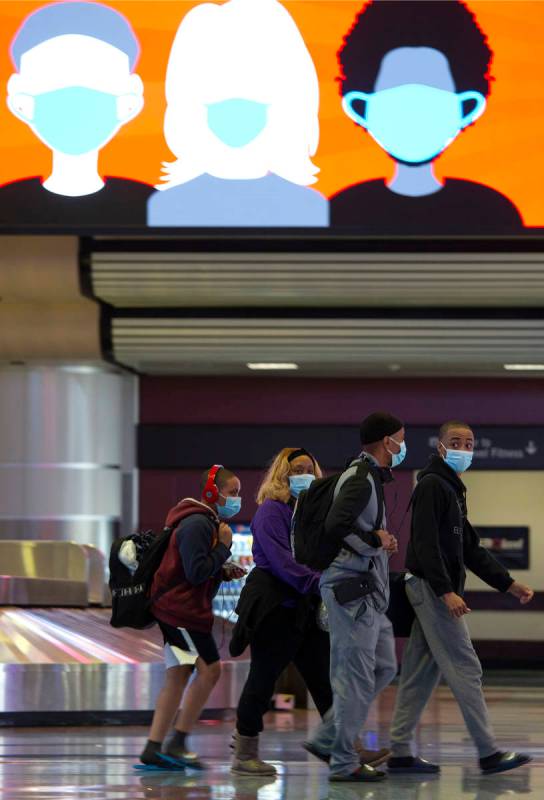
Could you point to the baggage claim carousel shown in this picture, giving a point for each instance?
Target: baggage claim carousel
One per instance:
(60, 660)
(69, 666)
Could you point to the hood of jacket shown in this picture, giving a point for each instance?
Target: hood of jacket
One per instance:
(187, 507)
(437, 466)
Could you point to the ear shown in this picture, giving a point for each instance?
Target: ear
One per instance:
(19, 103)
(347, 104)
(480, 104)
(130, 104)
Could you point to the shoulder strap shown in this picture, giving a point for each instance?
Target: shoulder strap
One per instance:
(363, 467)
(380, 498)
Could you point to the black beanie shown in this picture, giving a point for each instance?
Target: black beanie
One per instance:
(376, 426)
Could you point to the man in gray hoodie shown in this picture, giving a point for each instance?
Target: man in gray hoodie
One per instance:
(363, 660)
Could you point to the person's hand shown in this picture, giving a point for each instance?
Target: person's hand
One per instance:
(224, 534)
(389, 543)
(524, 593)
(233, 572)
(455, 605)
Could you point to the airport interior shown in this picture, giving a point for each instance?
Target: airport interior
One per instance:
(341, 255)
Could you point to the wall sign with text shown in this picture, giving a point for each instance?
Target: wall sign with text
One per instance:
(509, 545)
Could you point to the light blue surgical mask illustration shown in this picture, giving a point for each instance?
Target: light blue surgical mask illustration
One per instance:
(458, 460)
(398, 458)
(75, 120)
(233, 506)
(414, 123)
(237, 122)
(298, 483)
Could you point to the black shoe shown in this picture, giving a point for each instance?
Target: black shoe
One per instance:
(150, 755)
(308, 746)
(411, 765)
(502, 762)
(153, 758)
(364, 774)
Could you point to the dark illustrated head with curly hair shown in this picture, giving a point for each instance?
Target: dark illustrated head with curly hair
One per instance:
(444, 25)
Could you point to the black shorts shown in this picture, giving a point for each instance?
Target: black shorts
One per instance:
(182, 647)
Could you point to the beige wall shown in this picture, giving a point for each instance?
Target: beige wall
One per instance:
(43, 315)
(510, 499)
(516, 499)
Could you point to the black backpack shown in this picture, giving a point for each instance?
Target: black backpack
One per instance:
(130, 591)
(309, 542)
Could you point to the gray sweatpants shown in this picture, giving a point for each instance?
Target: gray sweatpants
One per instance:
(363, 662)
(438, 644)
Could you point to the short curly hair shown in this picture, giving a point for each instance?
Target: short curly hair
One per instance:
(445, 25)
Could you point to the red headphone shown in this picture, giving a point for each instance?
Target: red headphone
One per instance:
(211, 493)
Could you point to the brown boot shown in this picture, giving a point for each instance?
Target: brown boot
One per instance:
(372, 757)
(246, 759)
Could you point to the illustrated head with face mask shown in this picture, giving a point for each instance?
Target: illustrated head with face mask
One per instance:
(75, 86)
(414, 76)
(221, 491)
(292, 471)
(242, 120)
(382, 437)
(456, 445)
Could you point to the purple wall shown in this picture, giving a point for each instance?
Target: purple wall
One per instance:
(346, 401)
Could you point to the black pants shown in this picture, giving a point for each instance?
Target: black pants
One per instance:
(276, 644)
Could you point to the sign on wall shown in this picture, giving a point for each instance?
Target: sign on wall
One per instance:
(495, 447)
(251, 446)
(509, 545)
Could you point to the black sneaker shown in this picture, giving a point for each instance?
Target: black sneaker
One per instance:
(411, 766)
(364, 774)
(503, 762)
(309, 747)
(152, 757)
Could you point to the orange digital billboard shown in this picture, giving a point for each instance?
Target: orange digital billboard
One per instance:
(384, 117)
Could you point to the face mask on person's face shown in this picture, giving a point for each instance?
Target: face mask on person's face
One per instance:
(414, 123)
(397, 458)
(237, 122)
(75, 120)
(298, 483)
(458, 460)
(233, 506)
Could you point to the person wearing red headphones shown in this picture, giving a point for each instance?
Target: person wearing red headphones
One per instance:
(184, 585)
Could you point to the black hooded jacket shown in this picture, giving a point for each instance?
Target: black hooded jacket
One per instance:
(442, 540)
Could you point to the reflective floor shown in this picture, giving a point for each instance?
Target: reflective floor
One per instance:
(96, 763)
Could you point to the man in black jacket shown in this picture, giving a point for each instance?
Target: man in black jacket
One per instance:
(442, 544)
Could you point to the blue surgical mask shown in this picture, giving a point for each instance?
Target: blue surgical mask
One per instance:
(75, 120)
(398, 458)
(233, 506)
(458, 460)
(414, 123)
(298, 483)
(237, 122)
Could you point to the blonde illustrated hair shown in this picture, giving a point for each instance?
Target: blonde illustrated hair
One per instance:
(275, 484)
(249, 49)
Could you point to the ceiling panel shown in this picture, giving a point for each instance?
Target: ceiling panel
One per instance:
(185, 280)
(357, 346)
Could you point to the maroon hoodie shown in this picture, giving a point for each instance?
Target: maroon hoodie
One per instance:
(190, 572)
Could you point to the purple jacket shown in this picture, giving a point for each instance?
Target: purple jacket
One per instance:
(271, 529)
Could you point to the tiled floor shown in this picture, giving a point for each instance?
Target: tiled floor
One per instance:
(96, 763)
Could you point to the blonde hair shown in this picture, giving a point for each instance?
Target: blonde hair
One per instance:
(249, 49)
(275, 484)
